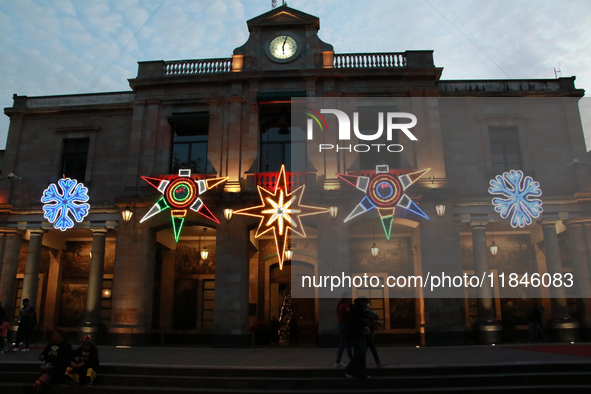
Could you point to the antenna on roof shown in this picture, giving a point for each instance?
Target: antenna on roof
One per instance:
(556, 72)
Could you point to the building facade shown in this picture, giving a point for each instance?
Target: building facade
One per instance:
(131, 283)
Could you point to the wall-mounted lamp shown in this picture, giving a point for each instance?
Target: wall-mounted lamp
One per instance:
(106, 293)
(127, 213)
(288, 254)
(440, 209)
(228, 213)
(374, 249)
(334, 211)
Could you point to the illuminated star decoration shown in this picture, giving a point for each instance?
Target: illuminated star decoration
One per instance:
(71, 202)
(385, 192)
(517, 202)
(281, 212)
(181, 193)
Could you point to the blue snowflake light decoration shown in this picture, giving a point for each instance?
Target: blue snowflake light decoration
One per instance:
(517, 197)
(70, 202)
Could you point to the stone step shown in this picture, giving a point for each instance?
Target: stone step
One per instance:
(105, 389)
(556, 377)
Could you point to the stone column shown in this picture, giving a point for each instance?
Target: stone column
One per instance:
(167, 290)
(2, 246)
(490, 329)
(576, 244)
(92, 320)
(333, 260)
(133, 284)
(9, 268)
(230, 319)
(31, 278)
(565, 329)
(440, 252)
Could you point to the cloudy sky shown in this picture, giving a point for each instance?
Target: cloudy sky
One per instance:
(51, 47)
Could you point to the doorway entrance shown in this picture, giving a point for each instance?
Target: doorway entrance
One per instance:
(285, 308)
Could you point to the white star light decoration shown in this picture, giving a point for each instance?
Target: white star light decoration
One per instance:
(281, 213)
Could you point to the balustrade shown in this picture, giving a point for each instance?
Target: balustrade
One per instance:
(369, 60)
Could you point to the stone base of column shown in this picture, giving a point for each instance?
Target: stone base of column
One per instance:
(441, 337)
(231, 341)
(328, 340)
(564, 330)
(490, 332)
(97, 332)
(118, 339)
(332, 184)
(120, 335)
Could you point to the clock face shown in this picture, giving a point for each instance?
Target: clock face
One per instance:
(283, 47)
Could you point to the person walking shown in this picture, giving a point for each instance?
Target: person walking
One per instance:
(373, 324)
(4, 326)
(24, 333)
(357, 332)
(535, 324)
(342, 310)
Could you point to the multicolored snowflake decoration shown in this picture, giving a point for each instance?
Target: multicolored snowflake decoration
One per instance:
(61, 207)
(181, 193)
(385, 192)
(280, 213)
(518, 198)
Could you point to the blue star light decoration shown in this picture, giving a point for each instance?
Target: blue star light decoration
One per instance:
(70, 203)
(385, 192)
(517, 197)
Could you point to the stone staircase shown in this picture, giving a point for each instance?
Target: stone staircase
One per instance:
(524, 378)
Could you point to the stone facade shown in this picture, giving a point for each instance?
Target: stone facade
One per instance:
(144, 298)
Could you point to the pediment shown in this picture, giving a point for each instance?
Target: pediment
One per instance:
(284, 16)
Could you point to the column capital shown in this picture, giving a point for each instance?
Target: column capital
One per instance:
(478, 223)
(37, 231)
(15, 231)
(547, 223)
(573, 222)
(99, 231)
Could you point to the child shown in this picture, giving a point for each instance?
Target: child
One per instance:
(85, 363)
(56, 356)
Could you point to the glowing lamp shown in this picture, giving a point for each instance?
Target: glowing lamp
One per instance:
(334, 211)
(494, 249)
(204, 253)
(228, 213)
(375, 250)
(288, 254)
(440, 209)
(106, 293)
(127, 214)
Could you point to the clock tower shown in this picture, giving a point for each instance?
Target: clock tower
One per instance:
(283, 39)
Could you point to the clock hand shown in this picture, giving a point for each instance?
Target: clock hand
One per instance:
(284, 41)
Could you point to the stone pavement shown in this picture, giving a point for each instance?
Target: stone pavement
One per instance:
(288, 357)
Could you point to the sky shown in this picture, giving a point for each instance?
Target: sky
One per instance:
(53, 47)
